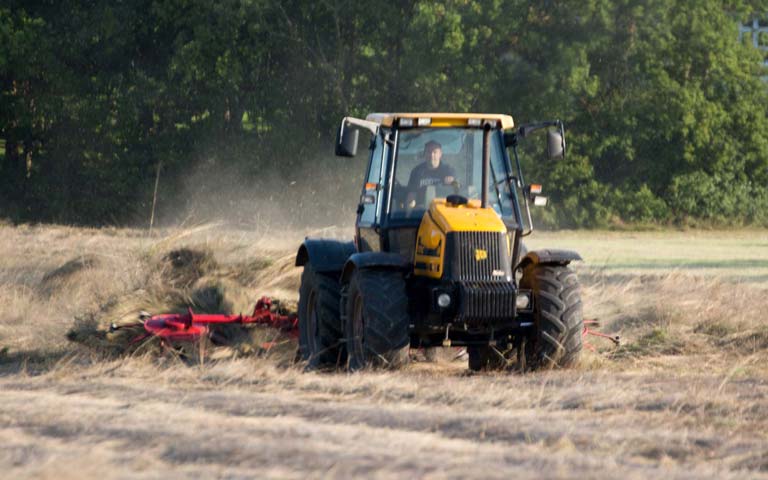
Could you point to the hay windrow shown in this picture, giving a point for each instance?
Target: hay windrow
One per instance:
(184, 266)
(175, 281)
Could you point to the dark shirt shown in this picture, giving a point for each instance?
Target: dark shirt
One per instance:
(424, 176)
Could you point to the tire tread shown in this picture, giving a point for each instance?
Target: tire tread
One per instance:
(559, 315)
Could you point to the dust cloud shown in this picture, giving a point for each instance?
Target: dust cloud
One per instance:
(322, 193)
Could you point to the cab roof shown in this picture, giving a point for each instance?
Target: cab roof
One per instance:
(442, 119)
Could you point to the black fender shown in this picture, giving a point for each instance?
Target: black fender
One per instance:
(383, 260)
(326, 256)
(549, 257)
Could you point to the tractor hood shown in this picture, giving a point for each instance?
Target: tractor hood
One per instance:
(451, 217)
(468, 217)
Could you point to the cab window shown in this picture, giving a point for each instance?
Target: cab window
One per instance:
(436, 162)
(372, 190)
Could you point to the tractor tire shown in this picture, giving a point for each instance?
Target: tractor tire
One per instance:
(320, 328)
(377, 321)
(558, 317)
(485, 357)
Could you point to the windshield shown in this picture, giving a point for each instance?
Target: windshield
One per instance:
(436, 162)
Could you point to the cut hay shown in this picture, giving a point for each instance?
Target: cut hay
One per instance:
(58, 278)
(220, 295)
(677, 314)
(176, 281)
(184, 266)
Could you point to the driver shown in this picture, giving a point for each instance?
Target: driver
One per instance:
(430, 172)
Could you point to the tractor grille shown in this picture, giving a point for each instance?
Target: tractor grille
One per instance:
(478, 256)
(484, 303)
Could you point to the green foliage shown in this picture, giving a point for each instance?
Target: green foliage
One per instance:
(718, 198)
(640, 206)
(665, 110)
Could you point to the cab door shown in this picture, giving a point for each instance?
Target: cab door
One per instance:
(369, 208)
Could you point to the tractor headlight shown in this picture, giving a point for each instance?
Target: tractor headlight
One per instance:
(523, 300)
(443, 300)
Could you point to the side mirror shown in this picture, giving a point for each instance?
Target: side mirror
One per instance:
(555, 144)
(346, 141)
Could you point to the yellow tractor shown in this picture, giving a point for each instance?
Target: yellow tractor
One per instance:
(437, 258)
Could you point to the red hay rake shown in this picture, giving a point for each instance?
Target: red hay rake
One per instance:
(190, 327)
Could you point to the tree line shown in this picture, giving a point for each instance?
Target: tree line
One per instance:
(664, 108)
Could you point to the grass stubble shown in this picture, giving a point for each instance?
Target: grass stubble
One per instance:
(685, 396)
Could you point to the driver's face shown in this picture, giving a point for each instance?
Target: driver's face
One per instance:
(434, 157)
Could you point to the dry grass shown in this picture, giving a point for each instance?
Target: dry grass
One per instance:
(678, 314)
(686, 396)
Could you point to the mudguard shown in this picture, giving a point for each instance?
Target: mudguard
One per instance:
(325, 255)
(384, 260)
(549, 257)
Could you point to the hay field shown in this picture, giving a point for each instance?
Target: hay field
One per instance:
(685, 396)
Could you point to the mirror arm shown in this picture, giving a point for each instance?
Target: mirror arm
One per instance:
(529, 128)
(348, 135)
(347, 122)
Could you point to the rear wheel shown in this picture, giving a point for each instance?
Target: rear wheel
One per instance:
(377, 321)
(557, 314)
(319, 320)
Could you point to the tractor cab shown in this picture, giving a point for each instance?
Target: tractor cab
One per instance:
(417, 158)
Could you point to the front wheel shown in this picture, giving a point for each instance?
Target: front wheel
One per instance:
(377, 322)
(557, 314)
